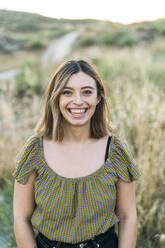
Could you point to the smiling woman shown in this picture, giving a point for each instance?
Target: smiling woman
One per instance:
(75, 85)
(78, 104)
(73, 174)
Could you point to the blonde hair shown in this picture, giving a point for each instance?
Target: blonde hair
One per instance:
(51, 123)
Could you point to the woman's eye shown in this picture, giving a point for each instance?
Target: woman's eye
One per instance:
(66, 92)
(87, 92)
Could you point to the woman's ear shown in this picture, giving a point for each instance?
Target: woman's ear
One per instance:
(98, 99)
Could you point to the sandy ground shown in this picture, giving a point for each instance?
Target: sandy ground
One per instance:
(59, 48)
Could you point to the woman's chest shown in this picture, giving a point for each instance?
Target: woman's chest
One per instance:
(77, 162)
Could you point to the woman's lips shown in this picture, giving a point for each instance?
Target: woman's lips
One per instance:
(77, 112)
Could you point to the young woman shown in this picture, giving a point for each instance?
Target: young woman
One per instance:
(74, 178)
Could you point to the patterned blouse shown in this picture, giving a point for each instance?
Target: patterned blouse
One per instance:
(75, 209)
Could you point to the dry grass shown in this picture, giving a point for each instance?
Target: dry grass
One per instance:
(17, 59)
(138, 112)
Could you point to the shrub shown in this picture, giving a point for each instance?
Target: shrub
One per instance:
(159, 26)
(120, 38)
(109, 38)
(29, 80)
(127, 38)
(34, 44)
(88, 41)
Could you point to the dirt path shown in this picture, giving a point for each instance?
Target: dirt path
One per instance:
(8, 74)
(59, 48)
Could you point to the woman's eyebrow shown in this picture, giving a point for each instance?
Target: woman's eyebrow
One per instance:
(81, 88)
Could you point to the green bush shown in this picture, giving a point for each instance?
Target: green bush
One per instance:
(109, 38)
(27, 27)
(34, 44)
(159, 26)
(128, 38)
(120, 38)
(29, 80)
(88, 41)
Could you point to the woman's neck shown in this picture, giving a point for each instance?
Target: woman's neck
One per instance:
(76, 134)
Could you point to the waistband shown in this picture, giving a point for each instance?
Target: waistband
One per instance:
(93, 242)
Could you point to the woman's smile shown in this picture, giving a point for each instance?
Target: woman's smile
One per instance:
(78, 99)
(77, 112)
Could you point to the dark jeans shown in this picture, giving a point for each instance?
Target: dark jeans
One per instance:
(108, 239)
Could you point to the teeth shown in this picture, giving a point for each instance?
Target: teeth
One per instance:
(77, 110)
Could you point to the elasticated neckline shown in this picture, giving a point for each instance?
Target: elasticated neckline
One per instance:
(74, 179)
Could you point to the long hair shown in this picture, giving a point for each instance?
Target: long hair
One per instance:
(51, 123)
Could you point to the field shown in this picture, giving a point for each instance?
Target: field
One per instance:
(131, 62)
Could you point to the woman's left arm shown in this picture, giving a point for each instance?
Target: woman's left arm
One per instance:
(126, 210)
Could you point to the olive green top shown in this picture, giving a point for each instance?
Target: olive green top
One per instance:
(75, 209)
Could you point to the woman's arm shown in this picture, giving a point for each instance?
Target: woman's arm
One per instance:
(126, 209)
(23, 207)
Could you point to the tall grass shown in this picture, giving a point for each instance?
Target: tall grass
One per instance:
(136, 98)
(138, 111)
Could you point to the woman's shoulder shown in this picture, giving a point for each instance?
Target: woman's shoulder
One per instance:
(120, 143)
(27, 159)
(122, 158)
(29, 149)
(33, 137)
(32, 141)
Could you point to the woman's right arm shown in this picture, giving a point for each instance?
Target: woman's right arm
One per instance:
(23, 207)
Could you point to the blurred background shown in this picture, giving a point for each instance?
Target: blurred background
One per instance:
(125, 40)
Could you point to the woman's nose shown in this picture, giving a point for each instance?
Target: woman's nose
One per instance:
(78, 98)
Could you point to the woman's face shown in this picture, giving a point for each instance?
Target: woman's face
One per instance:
(78, 99)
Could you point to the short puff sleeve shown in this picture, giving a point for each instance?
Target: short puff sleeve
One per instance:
(26, 160)
(123, 161)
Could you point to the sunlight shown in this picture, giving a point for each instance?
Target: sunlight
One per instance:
(118, 11)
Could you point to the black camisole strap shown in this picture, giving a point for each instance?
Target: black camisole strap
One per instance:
(107, 148)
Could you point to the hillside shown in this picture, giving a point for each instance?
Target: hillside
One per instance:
(27, 35)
